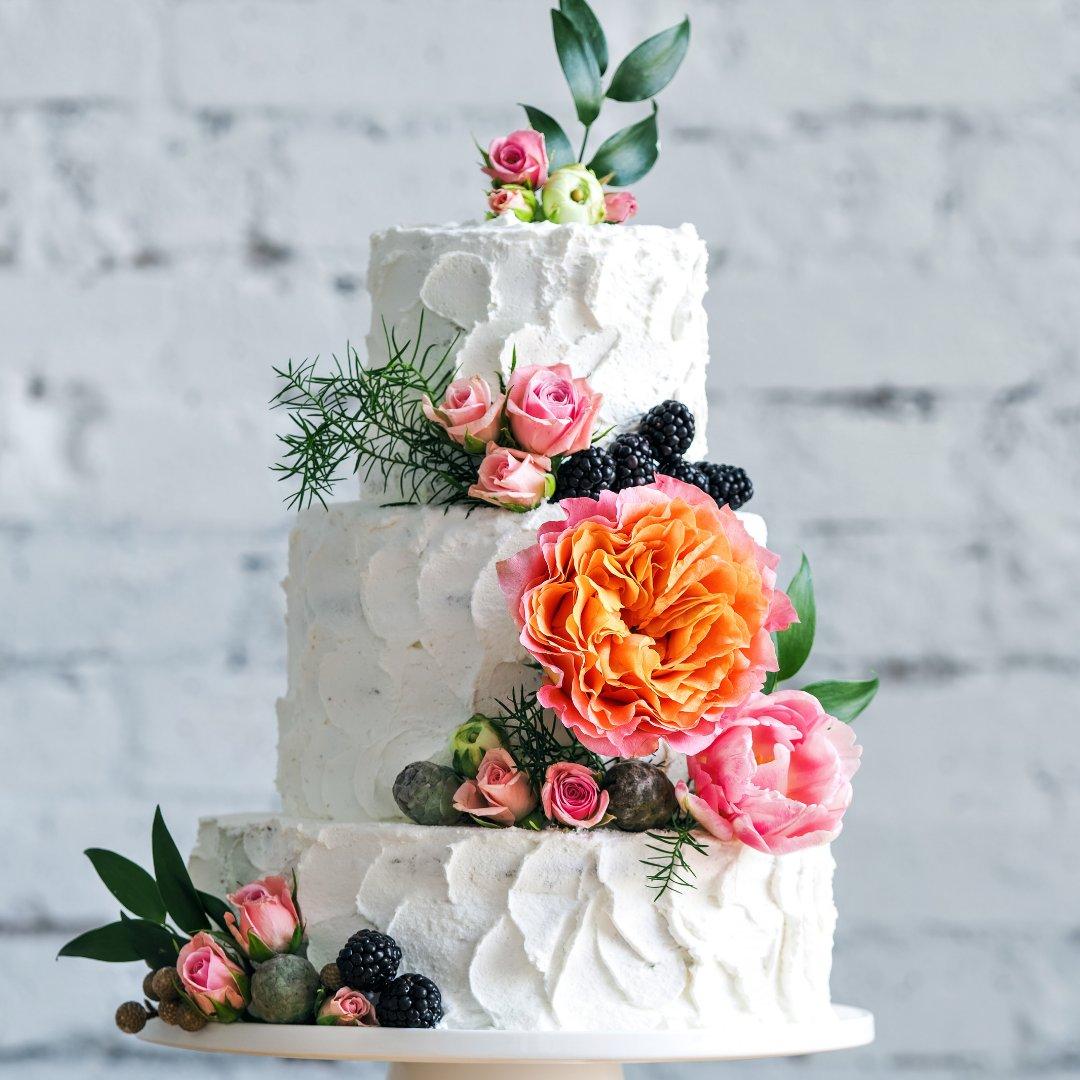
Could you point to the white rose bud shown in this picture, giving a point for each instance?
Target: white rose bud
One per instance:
(573, 193)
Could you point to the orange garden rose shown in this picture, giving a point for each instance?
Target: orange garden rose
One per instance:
(650, 611)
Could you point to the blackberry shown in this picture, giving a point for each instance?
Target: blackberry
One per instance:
(683, 470)
(410, 1001)
(635, 462)
(669, 427)
(584, 474)
(369, 960)
(727, 484)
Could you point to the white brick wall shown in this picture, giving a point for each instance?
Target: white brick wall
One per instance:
(889, 190)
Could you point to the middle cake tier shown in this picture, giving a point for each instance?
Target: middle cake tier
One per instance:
(397, 633)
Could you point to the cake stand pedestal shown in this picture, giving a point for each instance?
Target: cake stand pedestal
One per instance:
(520, 1055)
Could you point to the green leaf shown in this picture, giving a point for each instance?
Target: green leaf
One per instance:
(793, 645)
(651, 66)
(844, 700)
(108, 943)
(559, 150)
(257, 949)
(216, 908)
(180, 896)
(630, 153)
(151, 941)
(588, 26)
(770, 683)
(579, 66)
(129, 883)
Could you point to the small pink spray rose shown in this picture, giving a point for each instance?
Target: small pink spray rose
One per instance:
(571, 796)
(549, 411)
(778, 775)
(215, 983)
(501, 792)
(519, 158)
(269, 922)
(513, 479)
(619, 206)
(469, 412)
(347, 1008)
(512, 199)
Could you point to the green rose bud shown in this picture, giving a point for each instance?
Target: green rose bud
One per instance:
(472, 741)
(424, 793)
(513, 199)
(573, 193)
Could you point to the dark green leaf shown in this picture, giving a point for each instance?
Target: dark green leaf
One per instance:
(109, 943)
(215, 908)
(844, 700)
(629, 154)
(151, 941)
(180, 896)
(770, 683)
(651, 66)
(129, 883)
(579, 66)
(794, 643)
(559, 150)
(588, 26)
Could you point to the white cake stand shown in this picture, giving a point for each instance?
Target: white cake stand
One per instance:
(522, 1055)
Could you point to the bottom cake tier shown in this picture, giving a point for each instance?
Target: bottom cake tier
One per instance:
(553, 930)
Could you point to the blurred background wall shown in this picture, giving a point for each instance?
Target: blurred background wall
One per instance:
(889, 190)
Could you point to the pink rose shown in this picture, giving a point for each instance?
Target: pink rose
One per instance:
(778, 776)
(520, 158)
(619, 206)
(513, 479)
(215, 983)
(549, 411)
(571, 796)
(347, 1008)
(501, 791)
(269, 922)
(468, 411)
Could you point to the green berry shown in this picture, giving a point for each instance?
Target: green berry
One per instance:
(283, 990)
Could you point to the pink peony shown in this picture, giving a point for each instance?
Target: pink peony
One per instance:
(468, 410)
(500, 793)
(520, 158)
(268, 917)
(347, 1008)
(513, 479)
(650, 611)
(778, 776)
(549, 411)
(215, 983)
(571, 796)
(619, 206)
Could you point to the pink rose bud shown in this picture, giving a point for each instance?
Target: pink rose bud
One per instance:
(269, 922)
(348, 1008)
(513, 479)
(520, 158)
(469, 413)
(512, 199)
(501, 792)
(549, 411)
(571, 796)
(777, 777)
(215, 983)
(619, 206)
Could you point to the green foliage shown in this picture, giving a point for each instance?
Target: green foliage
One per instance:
(154, 943)
(559, 150)
(588, 26)
(630, 153)
(579, 66)
(180, 896)
(793, 645)
(537, 739)
(669, 869)
(651, 66)
(374, 418)
(129, 883)
(111, 944)
(844, 700)
(216, 908)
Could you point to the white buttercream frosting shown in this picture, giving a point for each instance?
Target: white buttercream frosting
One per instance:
(554, 930)
(622, 305)
(397, 632)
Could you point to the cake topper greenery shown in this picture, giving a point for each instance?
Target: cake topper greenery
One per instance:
(536, 174)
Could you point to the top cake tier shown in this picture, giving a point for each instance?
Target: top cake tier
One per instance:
(621, 304)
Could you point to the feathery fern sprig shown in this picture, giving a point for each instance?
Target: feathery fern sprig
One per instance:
(374, 418)
(669, 868)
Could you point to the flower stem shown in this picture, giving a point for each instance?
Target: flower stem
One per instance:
(584, 143)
